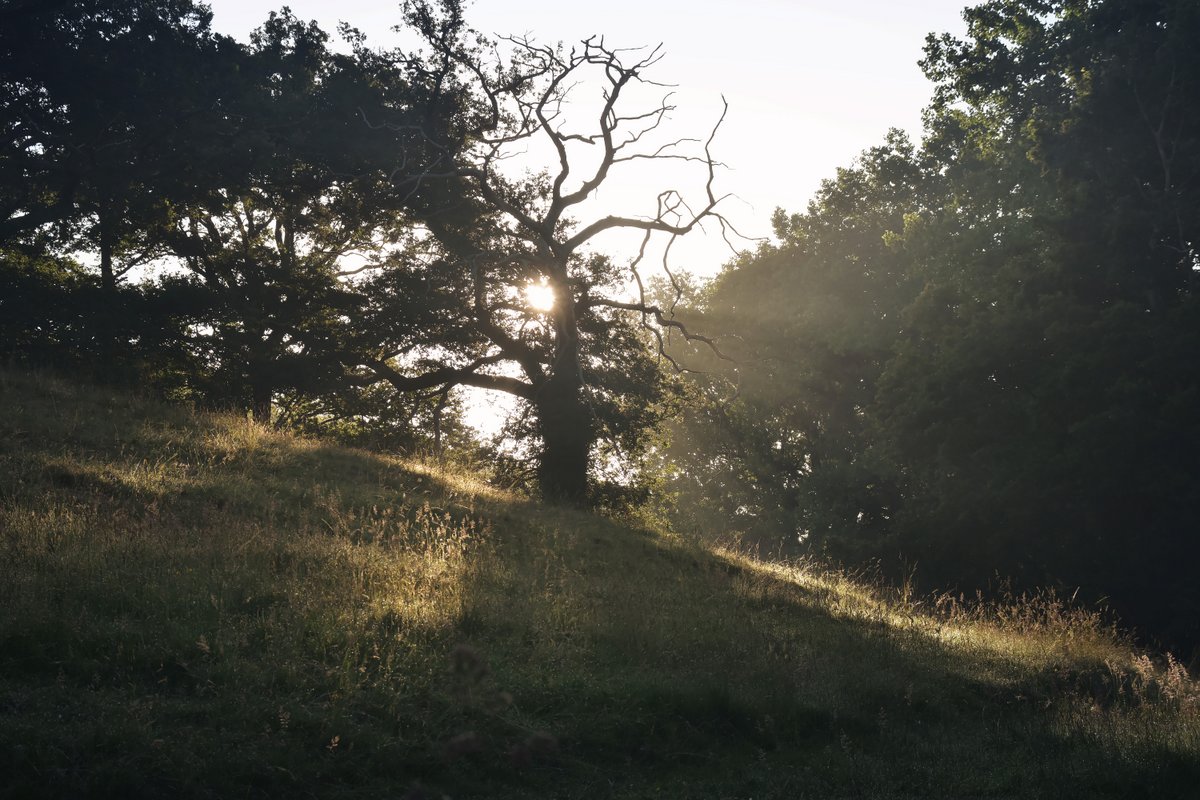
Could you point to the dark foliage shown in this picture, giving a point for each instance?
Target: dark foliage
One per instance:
(981, 356)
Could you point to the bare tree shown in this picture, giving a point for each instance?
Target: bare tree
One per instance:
(503, 234)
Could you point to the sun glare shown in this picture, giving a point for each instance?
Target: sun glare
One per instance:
(539, 296)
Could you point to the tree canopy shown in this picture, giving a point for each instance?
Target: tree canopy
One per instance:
(979, 355)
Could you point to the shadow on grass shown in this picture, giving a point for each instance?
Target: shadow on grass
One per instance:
(663, 664)
(198, 606)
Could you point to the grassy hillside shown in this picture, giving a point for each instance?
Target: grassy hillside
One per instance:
(194, 606)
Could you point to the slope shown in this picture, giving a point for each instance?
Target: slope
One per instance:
(192, 605)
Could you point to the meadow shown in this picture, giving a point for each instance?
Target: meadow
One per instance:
(194, 606)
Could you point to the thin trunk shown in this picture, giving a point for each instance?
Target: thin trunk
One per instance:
(261, 377)
(106, 317)
(260, 403)
(108, 279)
(437, 427)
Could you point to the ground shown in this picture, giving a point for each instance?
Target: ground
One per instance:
(193, 605)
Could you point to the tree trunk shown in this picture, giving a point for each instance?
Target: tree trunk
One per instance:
(564, 421)
(566, 431)
(106, 327)
(108, 277)
(260, 377)
(260, 403)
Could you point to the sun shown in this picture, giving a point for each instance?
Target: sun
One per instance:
(539, 296)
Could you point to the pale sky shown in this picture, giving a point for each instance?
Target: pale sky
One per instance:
(810, 83)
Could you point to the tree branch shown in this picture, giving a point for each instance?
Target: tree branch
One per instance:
(445, 377)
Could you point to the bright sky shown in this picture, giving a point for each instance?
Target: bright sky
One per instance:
(810, 83)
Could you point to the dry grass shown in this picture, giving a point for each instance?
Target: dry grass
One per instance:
(196, 606)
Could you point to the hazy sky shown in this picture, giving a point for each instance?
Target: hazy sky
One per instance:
(810, 83)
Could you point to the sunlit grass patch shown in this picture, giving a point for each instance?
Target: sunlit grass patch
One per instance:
(1037, 649)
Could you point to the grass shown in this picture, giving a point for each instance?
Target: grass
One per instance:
(194, 606)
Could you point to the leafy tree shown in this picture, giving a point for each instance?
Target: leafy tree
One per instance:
(31, 285)
(788, 449)
(295, 189)
(1036, 397)
(102, 103)
(978, 355)
(104, 107)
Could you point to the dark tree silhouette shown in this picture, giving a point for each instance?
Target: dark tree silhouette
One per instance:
(100, 103)
(982, 353)
(492, 235)
(295, 189)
